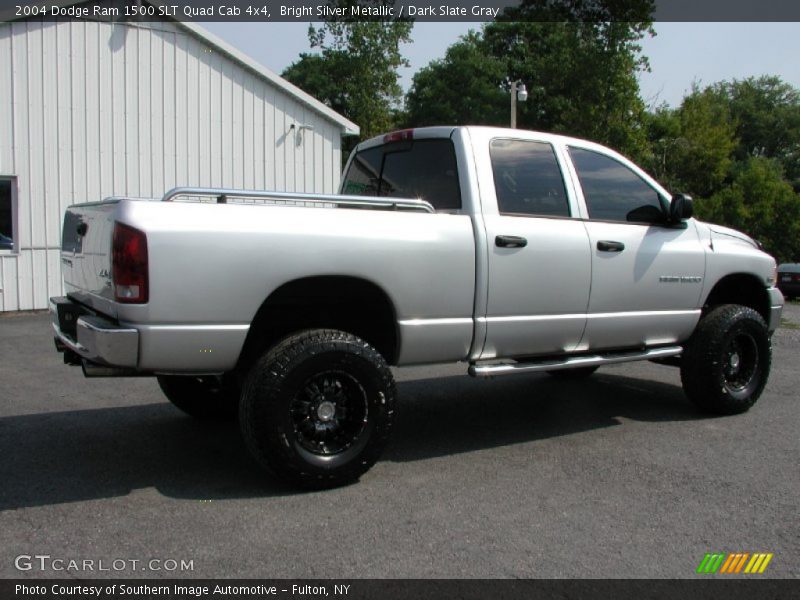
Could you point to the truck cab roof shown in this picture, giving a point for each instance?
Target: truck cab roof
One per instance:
(446, 131)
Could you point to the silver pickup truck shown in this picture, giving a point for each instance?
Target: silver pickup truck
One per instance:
(513, 251)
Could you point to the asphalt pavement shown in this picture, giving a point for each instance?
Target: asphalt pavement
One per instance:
(523, 476)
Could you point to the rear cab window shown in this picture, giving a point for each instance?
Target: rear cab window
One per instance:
(422, 169)
(528, 179)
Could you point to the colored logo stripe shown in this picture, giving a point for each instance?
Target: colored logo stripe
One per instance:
(758, 563)
(710, 563)
(734, 562)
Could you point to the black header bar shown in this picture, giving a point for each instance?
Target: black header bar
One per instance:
(416, 10)
(394, 589)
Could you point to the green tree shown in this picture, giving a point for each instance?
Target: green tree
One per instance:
(760, 202)
(355, 71)
(766, 111)
(579, 61)
(315, 74)
(702, 154)
(694, 147)
(663, 129)
(463, 88)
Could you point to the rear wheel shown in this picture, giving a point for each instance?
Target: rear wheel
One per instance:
(207, 398)
(317, 409)
(726, 363)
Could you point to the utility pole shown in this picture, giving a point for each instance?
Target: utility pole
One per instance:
(518, 92)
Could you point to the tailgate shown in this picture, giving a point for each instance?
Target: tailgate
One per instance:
(86, 253)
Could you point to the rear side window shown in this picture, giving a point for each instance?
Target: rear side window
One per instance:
(364, 175)
(613, 192)
(527, 179)
(419, 169)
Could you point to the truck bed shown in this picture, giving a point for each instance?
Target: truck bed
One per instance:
(230, 256)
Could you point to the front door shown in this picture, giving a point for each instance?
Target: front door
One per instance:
(646, 275)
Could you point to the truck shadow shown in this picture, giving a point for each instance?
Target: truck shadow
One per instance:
(470, 414)
(53, 458)
(81, 455)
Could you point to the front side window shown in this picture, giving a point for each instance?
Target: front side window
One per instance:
(6, 215)
(613, 192)
(527, 179)
(419, 169)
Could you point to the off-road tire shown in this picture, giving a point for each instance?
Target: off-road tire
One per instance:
(725, 364)
(317, 409)
(573, 374)
(204, 398)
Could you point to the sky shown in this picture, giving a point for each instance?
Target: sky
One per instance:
(680, 53)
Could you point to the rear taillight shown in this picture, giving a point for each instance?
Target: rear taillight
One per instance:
(129, 265)
(403, 135)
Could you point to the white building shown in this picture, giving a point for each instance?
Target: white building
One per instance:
(93, 109)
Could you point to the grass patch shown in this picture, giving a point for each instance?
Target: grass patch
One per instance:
(787, 324)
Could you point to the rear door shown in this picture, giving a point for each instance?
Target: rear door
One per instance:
(646, 275)
(539, 260)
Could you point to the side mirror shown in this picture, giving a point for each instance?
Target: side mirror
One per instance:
(680, 208)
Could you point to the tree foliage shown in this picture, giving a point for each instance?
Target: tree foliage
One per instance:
(581, 77)
(700, 155)
(463, 88)
(760, 202)
(766, 111)
(579, 61)
(735, 146)
(355, 70)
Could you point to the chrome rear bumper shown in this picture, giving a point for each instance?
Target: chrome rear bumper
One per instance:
(92, 337)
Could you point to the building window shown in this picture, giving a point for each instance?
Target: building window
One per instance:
(7, 211)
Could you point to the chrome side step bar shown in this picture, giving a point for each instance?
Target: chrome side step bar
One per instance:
(571, 362)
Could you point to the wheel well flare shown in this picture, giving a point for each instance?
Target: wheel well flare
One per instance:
(740, 288)
(346, 303)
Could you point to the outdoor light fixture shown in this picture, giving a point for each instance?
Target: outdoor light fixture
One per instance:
(518, 92)
(300, 129)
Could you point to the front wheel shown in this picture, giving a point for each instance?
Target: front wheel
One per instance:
(317, 408)
(726, 363)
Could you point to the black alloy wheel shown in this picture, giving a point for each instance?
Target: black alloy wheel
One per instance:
(318, 407)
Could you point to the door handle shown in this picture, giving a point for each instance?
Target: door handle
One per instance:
(610, 246)
(510, 241)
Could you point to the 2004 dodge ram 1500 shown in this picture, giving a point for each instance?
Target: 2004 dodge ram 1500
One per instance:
(515, 251)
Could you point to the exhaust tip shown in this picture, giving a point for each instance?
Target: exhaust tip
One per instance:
(92, 370)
